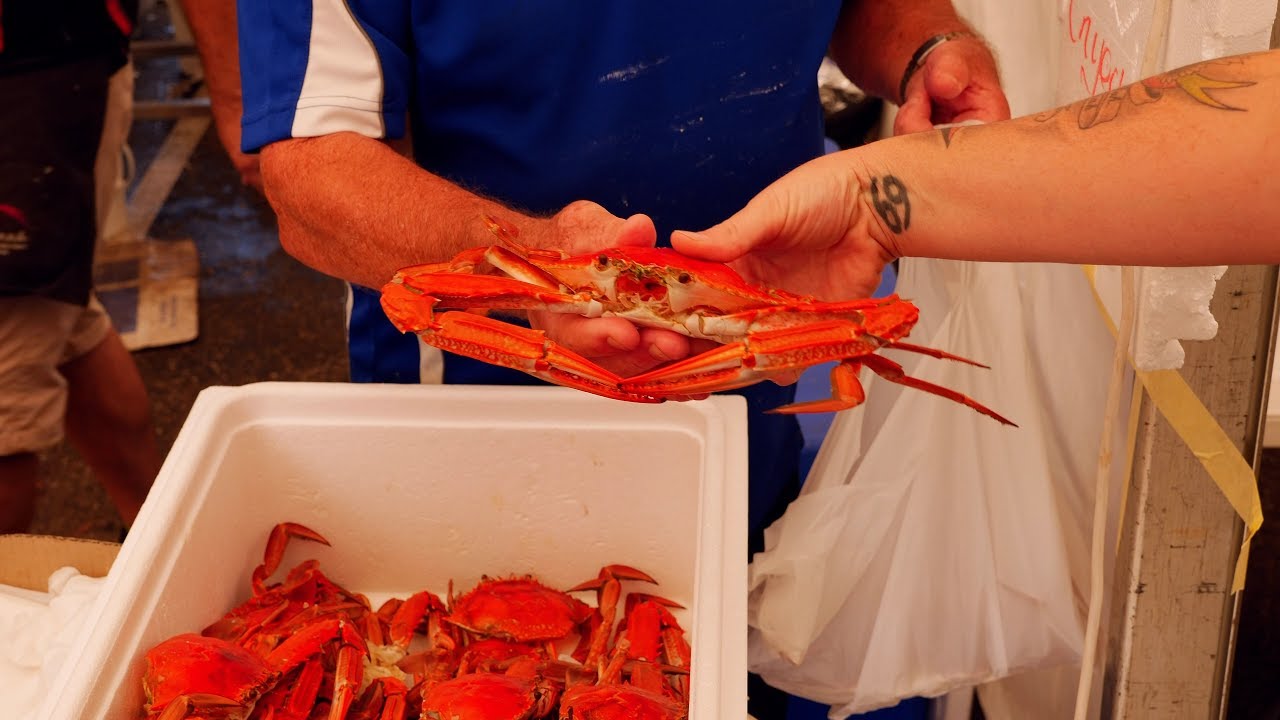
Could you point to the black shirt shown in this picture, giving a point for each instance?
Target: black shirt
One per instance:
(40, 33)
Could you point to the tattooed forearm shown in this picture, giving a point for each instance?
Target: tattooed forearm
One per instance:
(1195, 84)
(889, 198)
(1194, 81)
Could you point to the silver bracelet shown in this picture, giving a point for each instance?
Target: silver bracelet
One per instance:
(917, 59)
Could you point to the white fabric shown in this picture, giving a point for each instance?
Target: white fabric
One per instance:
(933, 548)
(38, 630)
(342, 87)
(430, 364)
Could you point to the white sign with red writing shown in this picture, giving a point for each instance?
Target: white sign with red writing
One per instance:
(1102, 44)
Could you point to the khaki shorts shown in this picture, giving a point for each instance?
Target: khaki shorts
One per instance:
(38, 336)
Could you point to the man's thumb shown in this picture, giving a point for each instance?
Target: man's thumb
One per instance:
(946, 77)
(637, 231)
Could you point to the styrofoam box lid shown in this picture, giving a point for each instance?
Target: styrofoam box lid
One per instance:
(417, 485)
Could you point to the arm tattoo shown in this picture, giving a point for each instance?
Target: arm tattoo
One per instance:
(1189, 81)
(889, 198)
(947, 133)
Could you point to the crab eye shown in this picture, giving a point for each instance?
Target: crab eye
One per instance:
(602, 262)
(684, 278)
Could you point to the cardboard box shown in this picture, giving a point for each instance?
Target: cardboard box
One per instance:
(27, 561)
(417, 485)
(36, 640)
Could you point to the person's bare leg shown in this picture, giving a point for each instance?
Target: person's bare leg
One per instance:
(109, 421)
(19, 485)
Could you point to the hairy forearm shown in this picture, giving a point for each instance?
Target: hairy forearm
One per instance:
(1178, 169)
(874, 39)
(213, 23)
(352, 207)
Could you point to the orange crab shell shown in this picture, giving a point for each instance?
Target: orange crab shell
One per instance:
(520, 609)
(619, 702)
(489, 653)
(488, 695)
(191, 664)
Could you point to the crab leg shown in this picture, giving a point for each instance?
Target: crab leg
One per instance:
(767, 353)
(650, 626)
(307, 643)
(518, 267)
(934, 352)
(847, 391)
(609, 589)
(886, 317)
(460, 291)
(295, 696)
(464, 261)
(500, 343)
(892, 371)
(384, 699)
(506, 234)
(757, 357)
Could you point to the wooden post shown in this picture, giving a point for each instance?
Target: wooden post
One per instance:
(1173, 617)
(1275, 31)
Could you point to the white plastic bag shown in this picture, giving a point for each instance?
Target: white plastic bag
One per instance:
(933, 548)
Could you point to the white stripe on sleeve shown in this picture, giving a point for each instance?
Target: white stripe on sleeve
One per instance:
(342, 88)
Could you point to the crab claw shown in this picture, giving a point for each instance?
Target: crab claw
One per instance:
(276, 544)
(635, 598)
(612, 573)
(411, 614)
(607, 584)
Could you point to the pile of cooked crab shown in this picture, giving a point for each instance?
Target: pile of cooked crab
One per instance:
(507, 649)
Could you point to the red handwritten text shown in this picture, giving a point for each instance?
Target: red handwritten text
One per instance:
(1097, 70)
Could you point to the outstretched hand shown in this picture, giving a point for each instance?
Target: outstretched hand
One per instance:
(957, 82)
(812, 232)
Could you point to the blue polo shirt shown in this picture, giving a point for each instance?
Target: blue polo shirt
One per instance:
(680, 110)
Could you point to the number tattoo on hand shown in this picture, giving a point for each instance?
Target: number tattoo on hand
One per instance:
(894, 206)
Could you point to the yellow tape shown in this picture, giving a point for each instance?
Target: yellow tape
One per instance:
(1206, 439)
